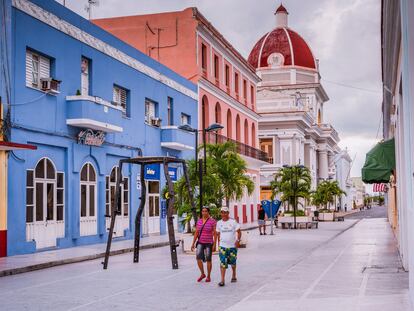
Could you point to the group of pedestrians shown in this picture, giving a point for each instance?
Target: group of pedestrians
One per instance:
(226, 233)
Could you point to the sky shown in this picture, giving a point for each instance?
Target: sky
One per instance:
(344, 35)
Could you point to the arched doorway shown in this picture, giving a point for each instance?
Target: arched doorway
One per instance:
(253, 135)
(229, 124)
(88, 198)
(238, 128)
(44, 204)
(246, 132)
(121, 220)
(205, 112)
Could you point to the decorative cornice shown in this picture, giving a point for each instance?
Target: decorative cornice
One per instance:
(86, 38)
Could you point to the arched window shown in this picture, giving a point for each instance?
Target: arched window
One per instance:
(88, 225)
(205, 113)
(238, 128)
(253, 135)
(217, 112)
(246, 132)
(229, 124)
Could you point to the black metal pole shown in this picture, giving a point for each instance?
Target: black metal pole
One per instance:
(200, 177)
(114, 210)
(196, 149)
(294, 197)
(205, 151)
(170, 218)
(139, 214)
(190, 193)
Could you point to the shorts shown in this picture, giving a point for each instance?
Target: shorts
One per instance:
(228, 256)
(261, 222)
(204, 252)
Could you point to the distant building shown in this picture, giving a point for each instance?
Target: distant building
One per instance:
(86, 100)
(343, 163)
(188, 43)
(290, 102)
(357, 191)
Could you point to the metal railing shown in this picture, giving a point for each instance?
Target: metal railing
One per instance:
(243, 149)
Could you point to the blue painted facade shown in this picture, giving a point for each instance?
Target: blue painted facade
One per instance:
(40, 119)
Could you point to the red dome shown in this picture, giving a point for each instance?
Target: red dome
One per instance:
(285, 41)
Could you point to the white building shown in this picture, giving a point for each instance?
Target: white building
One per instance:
(290, 101)
(343, 163)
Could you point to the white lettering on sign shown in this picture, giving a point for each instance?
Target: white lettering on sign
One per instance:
(150, 171)
(91, 138)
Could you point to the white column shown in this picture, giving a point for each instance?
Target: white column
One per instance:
(323, 164)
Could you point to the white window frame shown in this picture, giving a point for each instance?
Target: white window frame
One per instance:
(108, 184)
(185, 119)
(43, 64)
(120, 97)
(150, 110)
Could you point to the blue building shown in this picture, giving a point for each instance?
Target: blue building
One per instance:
(86, 100)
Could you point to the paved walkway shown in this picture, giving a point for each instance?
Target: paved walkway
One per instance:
(350, 265)
(41, 260)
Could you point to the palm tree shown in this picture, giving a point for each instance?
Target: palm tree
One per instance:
(291, 182)
(230, 169)
(326, 192)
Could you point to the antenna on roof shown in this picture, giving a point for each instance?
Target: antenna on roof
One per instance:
(88, 7)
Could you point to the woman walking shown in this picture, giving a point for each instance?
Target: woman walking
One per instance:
(204, 241)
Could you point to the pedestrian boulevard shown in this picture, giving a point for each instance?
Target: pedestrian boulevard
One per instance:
(350, 265)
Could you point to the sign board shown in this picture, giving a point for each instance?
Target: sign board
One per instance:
(163, 209)
(172, 171)
(271, 207)
(91, 138)
(152, 172)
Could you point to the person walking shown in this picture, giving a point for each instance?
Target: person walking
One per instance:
(229, 235)
(204, 241)
(261, 220)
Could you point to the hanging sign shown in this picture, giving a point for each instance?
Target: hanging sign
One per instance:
(91, 138)
(172, 171)
(152, 172)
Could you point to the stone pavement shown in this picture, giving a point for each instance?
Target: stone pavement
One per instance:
(350, 265)
(51, 258)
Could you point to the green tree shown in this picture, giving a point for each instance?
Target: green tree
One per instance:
(326, 192)
(292, 182)
(230, 168)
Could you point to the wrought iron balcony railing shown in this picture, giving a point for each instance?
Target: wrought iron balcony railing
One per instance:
(243, 149)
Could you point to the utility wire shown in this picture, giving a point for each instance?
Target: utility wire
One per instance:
(352, 87)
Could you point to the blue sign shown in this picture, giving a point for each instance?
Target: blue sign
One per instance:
(152, 172)
(163, 209)
(172, 171)
(271, 207)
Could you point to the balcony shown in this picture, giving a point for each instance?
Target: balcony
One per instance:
(93, 113)
(242, 149)
(174, 138)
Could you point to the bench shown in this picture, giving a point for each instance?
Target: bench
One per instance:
(300, 225)
(340, 218)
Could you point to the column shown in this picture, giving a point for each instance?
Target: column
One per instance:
(323, 164)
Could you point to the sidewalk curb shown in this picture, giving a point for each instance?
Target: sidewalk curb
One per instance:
(61, 262)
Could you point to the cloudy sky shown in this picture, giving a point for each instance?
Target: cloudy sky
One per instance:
(343, 35)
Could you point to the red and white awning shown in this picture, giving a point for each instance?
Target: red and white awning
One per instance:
(379, 187)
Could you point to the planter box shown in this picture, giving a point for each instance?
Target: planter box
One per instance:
(326, 216)
(292, 219)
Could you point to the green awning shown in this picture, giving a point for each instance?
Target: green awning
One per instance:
(379, 163)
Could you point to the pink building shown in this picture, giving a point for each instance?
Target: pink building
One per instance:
(189, 44)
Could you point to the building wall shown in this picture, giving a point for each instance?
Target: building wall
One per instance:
(40, 119)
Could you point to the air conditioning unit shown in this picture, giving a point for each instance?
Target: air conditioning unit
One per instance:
(50, 85)
(156, 122)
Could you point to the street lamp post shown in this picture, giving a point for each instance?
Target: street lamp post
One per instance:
(212, 128)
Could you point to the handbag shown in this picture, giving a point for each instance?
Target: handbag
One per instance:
(201, 231)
